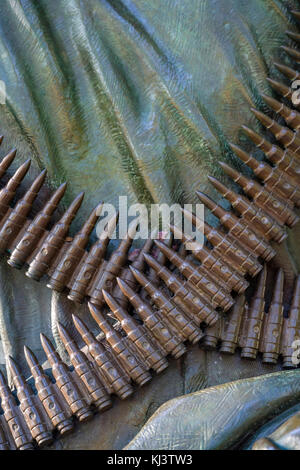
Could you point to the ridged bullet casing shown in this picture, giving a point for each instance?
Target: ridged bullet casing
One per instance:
(33, 416)
(74, 253)
(182, 324)
(230, 337)
(212, 262)
(279, 210)
(171, 343)
(134, 368)
(254, 320)
(85, 371)
(35, 230)
(236, 228)
(113, 375)
(291, 329)
(65, 382)
(199, 277)
(49, 395)
(14, 418)
(270, 344)
(260, 222)
(53, 242)
(4, 443)
(137, 334)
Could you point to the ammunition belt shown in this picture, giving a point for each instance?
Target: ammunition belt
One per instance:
(161, 303)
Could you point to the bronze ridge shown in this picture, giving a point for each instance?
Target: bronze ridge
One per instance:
(162, 301)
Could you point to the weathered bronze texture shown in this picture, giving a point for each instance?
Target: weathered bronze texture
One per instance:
(293, 35)
(184, 326)
(4, 442)
(18, 216)
(66, 383)
(254, 320)
(53, 242)
(138, 335)
(35, 231)
(74, 253)
(8, 192)
(291, 329)
(286, 161)
(106, 278)
(35, 419)
(134, 368)
(294, 53)
(199, 277)
(272, 328)
(260, 222)
(212, 336)
(257, 246)
(211, 261)
(112, 374)
(85, 371)
(154, 322)
(266, 200)
(49, 395)
(91, 263)
(274, 179)
(282, 89)
(14, 418)
(228, 248)
(284, 135)
(232, 327)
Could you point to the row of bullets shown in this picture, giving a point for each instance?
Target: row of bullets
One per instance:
(112, 360)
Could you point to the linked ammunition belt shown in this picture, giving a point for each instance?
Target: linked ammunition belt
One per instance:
(161, 302)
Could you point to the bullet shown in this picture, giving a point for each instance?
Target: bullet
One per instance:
(74, 253)
(212, 336)
(161, 259)
(113, 267)
(285, 136)
(7, 160)
(264, 199)
(284, 160)
(85, 371)
(287, 71)
(271, 337)
(127, 276)
(113, 375)
(253, 327)
(8, 192)
(18, 216)
(274, 179)
(184, 326)
(91, 263)
(192, 302)
(291, 116)
(225, 273)
(28, 405)
(296, 14)
(53, 242)
(291, 329)
(292, 52)
(35, 230)
(228, 248)
(293, 35)
(4, 443)
(261, 223)
(281, 88)
(134, 368)
(245, 236)
(154, 323)
(65, 382)
(137, 334)
(14, 419)
(230, 337)
(48, 395)
(198, 277)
